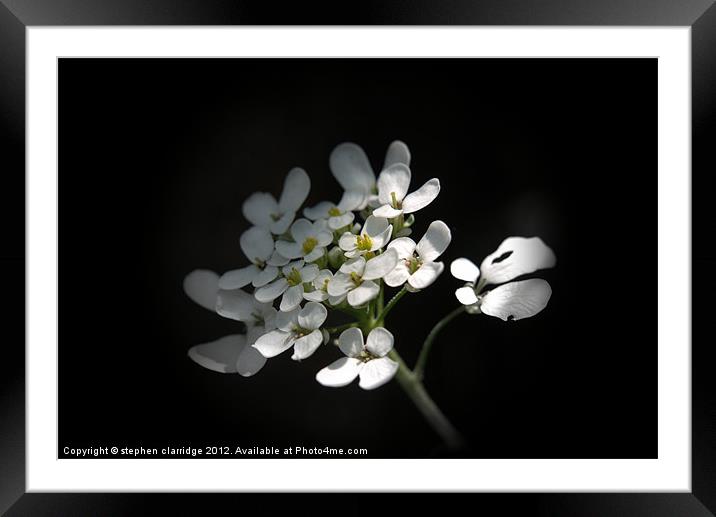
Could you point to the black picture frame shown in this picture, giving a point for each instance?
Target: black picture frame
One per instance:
(17, 15)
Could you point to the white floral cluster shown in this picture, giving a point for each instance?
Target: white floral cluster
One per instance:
(330, 256)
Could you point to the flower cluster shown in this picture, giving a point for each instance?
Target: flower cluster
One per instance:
(303, 265)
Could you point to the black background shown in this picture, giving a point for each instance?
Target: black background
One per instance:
(156, 157)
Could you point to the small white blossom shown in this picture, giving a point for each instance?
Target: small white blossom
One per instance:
(393, 184)
(290, 285)
(320, 289)
(239, 305)
(351, 167)
(355, 277)
(258, 246)
(516, 256)
(230, 354)
(309, 241)
(373, 236)
(367, 361)
(416, 262)
(262, 210)
(299, 328)
(338, 216)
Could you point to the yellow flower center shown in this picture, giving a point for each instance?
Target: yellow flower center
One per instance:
(334, 212)
(309, 244)
(356, 279)
(364, 242)
(294, 277)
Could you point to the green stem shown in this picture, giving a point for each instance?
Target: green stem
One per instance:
(427, 345)
(395, 299)
(416, 391)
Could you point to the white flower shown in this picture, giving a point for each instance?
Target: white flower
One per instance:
(373, 236)
(299, 328)
(310, 241)
(516, 256)
(367, 361)
(355, 277)
(239, 305)
(338, 216)
(320, 292)
(290, 285)
(230, 354)
(262, 210)
(350, 166)
(393, 184)
(258, 246)
(416, 262)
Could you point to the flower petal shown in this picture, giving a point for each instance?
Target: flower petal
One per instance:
(377, 372)
(347, 242)
(517, 256)
(464, 269)
(281, 226)
(395, 180)
(236, 305)
(397, 152)
(434, 242)
(350, 201)
(340, 372)
(273, 343)
(379, 266)
(306, 345)
(292, 298)
(364, 293)
(316, 296)
(466, 295)
(312, 316)
(517, 300)
(398, 276)
(257, 244)
(220, 355)
(250, 361)
(324, 237)
(258, 208)
(202, 287)
(309, 273)
(269, 293)
(380, 341)
(318, 210)
(351, 168)
(351, 342)
(277, 260)
(265, 276)
(354, 265)
(295, 190)
(301, 229)
(426, 275)
(340, 221)
(340, 284)
(421, 197)
(290, 250)
(381, 240)
(238, 278)
(387, 212)
(374, 226)
(286, 321)
(315, 254)
(405, 247)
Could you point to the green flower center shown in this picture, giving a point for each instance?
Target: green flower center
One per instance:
(396, 204)
(299, 331)
(294, 277)
(334, 212)
(309, 244)
(413, 264)
(325, 285)
(356, 278)
(364, 242)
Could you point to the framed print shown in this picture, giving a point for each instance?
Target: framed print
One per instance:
(376, 258)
